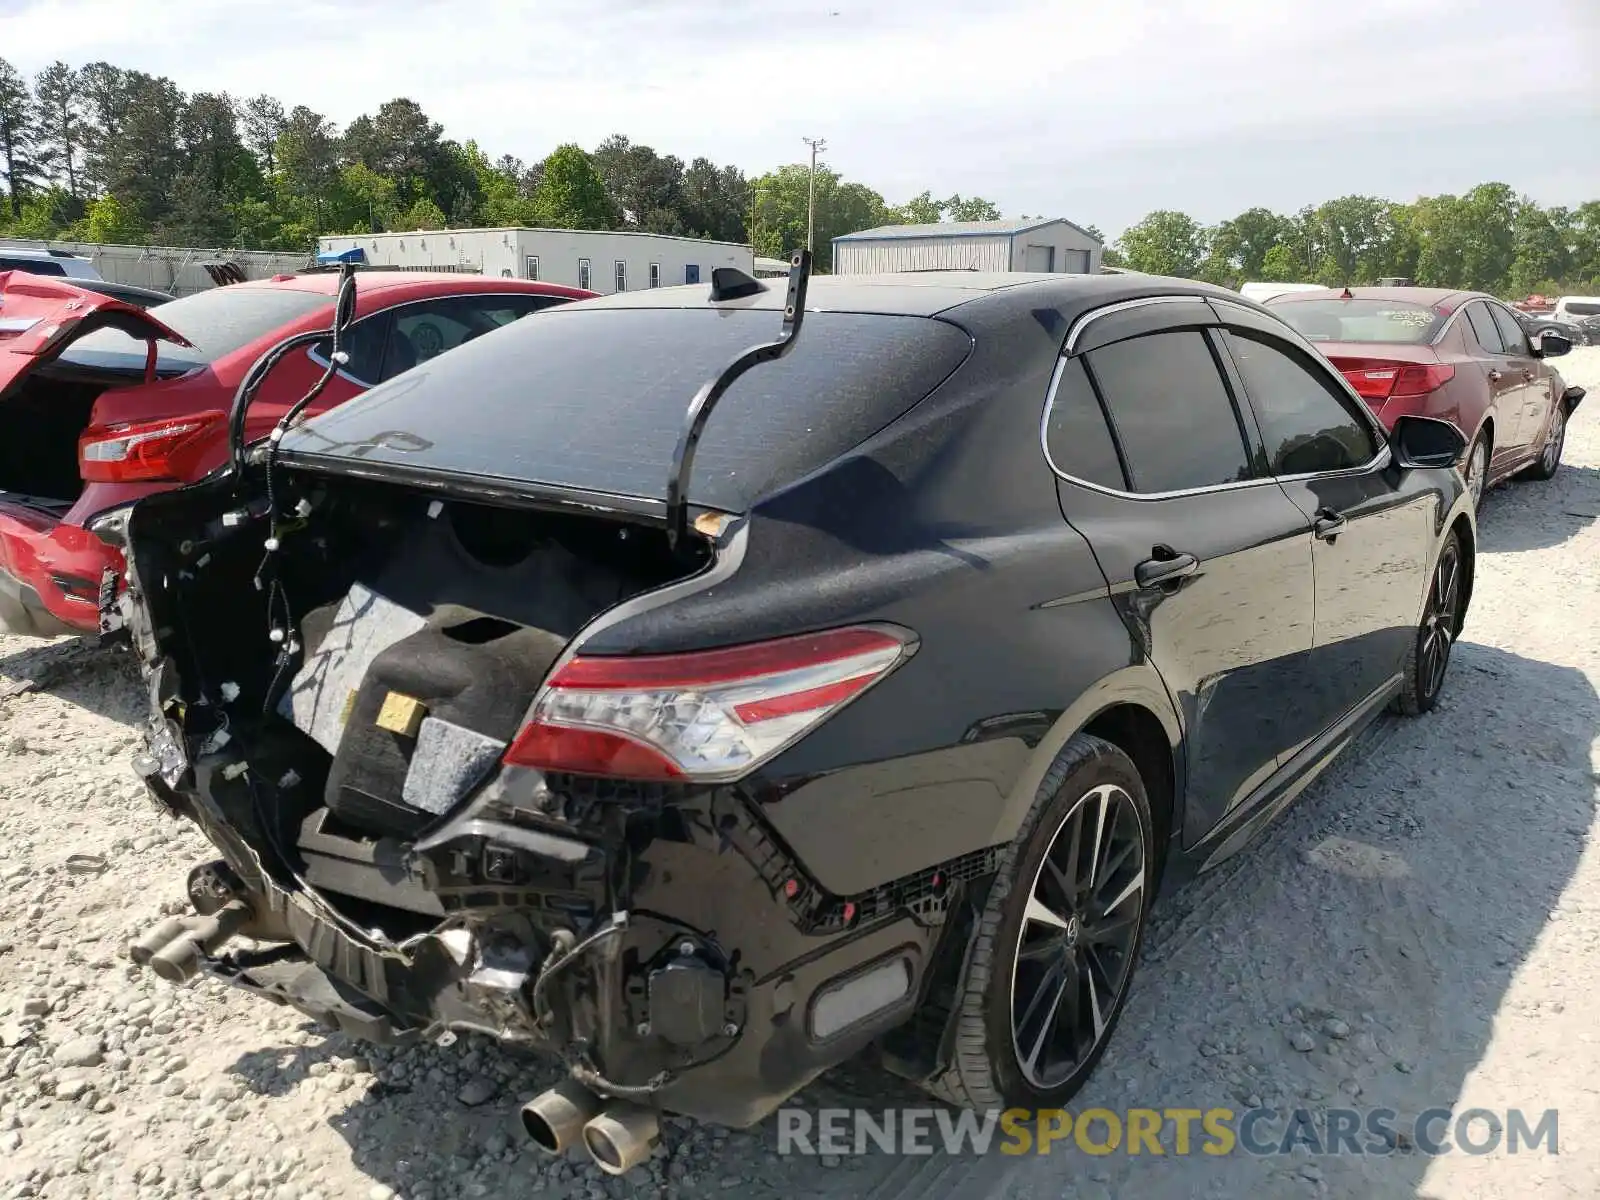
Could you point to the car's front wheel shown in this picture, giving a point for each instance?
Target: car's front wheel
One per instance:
(1443, 610)
(1055, 947)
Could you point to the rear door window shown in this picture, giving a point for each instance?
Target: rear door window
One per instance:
(1484, 329)
(1171, 412)
(1076, 434)
(1307, 425)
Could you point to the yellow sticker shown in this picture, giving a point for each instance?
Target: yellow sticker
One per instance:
(401, 714)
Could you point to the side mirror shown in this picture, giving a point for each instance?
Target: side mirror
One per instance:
(1553, 344)
(1425, 442)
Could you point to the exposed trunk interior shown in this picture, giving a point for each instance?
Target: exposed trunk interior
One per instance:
(39, 428)
(426, 625)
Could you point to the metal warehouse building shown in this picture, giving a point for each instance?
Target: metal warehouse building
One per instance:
(1025, 245)
(599, 261)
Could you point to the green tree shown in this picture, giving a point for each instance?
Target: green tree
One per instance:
(1542, 240)
(921, 209)
(307, 156)
(777, 220)
(423, 215)
(109, 220)
(1164, 243)
(715, 200)
(264, 123)
(973, 208)
(19, 131)
(58, 92)
(1238, 247)
(571, 194)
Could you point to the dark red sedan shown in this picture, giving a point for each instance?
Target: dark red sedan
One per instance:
(1461, 356)
(102, 402)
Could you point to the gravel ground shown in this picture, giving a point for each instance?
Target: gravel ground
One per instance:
(1422, 929)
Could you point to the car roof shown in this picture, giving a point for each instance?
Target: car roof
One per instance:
(919, 293)
(368, 282)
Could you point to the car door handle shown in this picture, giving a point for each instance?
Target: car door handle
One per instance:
(1154, 572)
(1494, 376)
(1328, 524)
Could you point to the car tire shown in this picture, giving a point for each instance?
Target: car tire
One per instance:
(1549, 461)
(1016, 959)
(1444, 609)
(1476, 468)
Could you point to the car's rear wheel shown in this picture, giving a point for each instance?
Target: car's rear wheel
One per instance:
(1477, 468)
(1443, 611)
(1555, 441)
(1055, 947)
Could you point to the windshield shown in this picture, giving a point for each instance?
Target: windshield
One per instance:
(1583, 308)
(1393, 321)
(218, 321)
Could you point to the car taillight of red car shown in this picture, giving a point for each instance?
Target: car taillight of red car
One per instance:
(146, 451)
(702, 715)
(1377, 380)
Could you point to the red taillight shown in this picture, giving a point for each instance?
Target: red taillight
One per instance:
(1378, 380)
(144, 451)
(707, 714)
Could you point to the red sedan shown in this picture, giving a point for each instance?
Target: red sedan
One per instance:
(1460, 356)
(102, 402)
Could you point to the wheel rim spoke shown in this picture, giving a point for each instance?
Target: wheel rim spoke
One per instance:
(1038, 913)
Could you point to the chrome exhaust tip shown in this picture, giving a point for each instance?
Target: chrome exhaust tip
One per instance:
(622, 1137)
(143, 949)
(554, 1119)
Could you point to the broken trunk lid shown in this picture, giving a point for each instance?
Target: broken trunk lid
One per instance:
(40, 317)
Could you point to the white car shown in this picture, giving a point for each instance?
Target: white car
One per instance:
(1572, 309)
(39, 261)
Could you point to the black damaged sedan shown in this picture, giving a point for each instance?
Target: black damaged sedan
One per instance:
(705, 685)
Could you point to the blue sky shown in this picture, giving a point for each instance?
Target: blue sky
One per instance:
(1098, 112)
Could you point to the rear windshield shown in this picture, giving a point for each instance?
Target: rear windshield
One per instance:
(1337, 320)
(595, 399)
(218, 321)
(1583, 308)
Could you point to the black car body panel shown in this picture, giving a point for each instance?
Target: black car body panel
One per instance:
(1034, 604)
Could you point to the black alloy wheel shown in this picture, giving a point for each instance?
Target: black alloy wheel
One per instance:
(1442, 615)
(1079, 928)
(1053, 951)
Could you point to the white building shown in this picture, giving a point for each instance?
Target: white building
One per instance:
(1023, 245)
(600, 261)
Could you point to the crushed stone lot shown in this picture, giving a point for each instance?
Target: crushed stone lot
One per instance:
(1421, 930)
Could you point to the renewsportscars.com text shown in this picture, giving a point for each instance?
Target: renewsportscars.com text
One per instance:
(1167, 1131)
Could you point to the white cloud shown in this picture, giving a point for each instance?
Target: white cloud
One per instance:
(1013, 99)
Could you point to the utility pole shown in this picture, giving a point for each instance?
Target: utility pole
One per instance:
(816, 144)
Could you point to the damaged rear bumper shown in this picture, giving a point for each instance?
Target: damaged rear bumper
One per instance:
(719, 1011)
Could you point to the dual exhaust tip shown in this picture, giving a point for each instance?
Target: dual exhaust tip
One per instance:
(175, 949)
(618, 1136)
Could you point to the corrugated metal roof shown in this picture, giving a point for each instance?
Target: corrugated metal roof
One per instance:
(943, 229)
